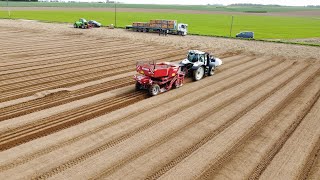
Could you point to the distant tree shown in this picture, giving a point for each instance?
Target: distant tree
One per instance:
(22, 0)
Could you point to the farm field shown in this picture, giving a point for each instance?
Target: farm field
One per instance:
(69, 109)
(271, 26)
(230, 8)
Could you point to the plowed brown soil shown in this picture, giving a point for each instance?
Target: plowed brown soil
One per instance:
(71, 111)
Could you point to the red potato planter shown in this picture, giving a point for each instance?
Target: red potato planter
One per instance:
(158, 77)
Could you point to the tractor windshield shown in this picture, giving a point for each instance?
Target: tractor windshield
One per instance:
(193, 57)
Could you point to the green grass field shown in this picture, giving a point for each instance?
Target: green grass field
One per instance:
(265, 27)
(269, 8)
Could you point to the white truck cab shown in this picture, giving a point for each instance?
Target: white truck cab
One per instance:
(182, 29)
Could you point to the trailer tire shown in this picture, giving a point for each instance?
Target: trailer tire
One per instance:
(154, 90)
(176, 84)
(198, 73)
(211, 71)
(138, 86)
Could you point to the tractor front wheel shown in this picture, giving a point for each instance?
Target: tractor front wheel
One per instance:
(154, 90)
(198, 73)
(211, 71)
(75, 25)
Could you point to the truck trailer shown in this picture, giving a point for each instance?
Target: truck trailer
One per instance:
(171, 26)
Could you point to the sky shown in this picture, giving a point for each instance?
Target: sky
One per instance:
(226, 2)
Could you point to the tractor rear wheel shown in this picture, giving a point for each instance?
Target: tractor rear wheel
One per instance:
(154, 90)
(198, 73)
(82, 26)
(75, 25)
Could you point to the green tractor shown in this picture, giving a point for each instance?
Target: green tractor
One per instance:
(82, 23)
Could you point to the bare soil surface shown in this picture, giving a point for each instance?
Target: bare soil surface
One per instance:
(311, 13)
(69, 108)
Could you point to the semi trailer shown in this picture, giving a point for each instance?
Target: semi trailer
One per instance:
(170, 26)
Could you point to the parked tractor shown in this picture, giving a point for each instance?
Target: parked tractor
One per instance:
(82, 23)
(158, 77)
(198, 64)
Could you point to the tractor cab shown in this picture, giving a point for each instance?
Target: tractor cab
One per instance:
(82, 20)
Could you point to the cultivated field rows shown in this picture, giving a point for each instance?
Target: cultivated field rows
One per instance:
(69, 109)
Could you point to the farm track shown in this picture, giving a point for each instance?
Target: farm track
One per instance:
(70, 110)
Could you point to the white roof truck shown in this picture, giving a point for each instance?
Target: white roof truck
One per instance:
(171, 26)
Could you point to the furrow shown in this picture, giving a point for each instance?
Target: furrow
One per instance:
(215, 151)
(295, 158)
(58, 122)
(152, 122)
(217, 106)
(255, 154)
(61, 98)
(228, 73)
(14, 94)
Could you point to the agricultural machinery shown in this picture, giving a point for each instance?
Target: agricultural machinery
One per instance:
(161, 77)
(198, 64)
(82, 23)
(158, 77)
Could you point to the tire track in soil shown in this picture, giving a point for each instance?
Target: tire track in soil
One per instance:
(26, 105)
(311, 161)
(49, 54)
(62, 98)
(76, 79)
(297, 163)
(315, 169)
(52, 57)
(250, 127)
(9, 47)
(45, 46)
(278, 129)
(67, 119)
(280, 143)
(205, 115)
(24, 57)
(126, 136)
(71, 70)
(75, 62)
(228, 72)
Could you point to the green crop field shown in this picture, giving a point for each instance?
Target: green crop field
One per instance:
(265, 27)
(269, 8)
